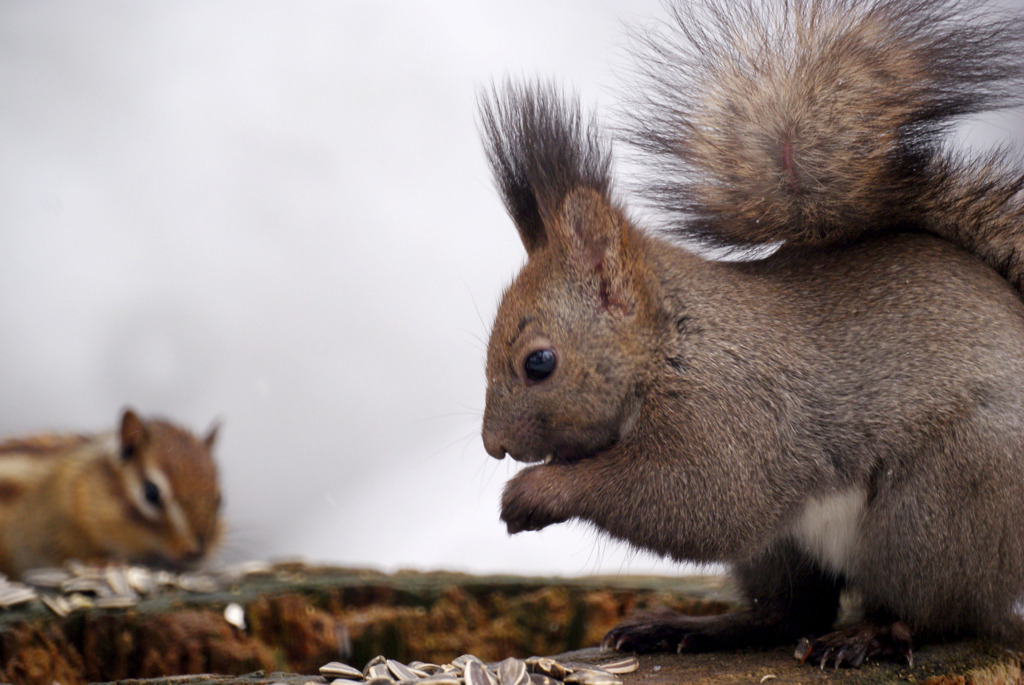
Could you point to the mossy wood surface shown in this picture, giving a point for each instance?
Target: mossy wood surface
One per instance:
(299, 617)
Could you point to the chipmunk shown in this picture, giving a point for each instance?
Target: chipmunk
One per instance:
(845, 413)
(147, 494)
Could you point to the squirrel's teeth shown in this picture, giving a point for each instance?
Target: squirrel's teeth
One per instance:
(547, 459)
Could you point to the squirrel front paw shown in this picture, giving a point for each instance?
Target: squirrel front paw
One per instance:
(533, 500)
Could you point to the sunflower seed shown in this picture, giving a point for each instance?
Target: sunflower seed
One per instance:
(93, 586)
(164, 579)
(16, 593)
(375, 661)
(235, 615)
(547, 666)
(249, 568)
(80, 570)
(57, 604)
(512, 671)
(346, 681)
(442, 679)
(197, 582)
(336, 668)
(461, 662)
(116, 602)
(403, 672)
(476, 674)
(79, 601)
(429, 669)
(379, 680)
(541, 679)
(140, 580)
(116, 580)
(46, 577)
(627, 665)
(591, 677)
(379, 671)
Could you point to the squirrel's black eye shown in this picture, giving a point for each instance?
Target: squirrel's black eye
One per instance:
(128, 452)
(151, 492)
(539, 364)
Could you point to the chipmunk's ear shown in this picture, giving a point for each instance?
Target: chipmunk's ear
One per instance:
(540, 150)
(211, 435)
(133, 434)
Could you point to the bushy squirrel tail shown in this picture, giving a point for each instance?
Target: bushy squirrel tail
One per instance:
(816, 121)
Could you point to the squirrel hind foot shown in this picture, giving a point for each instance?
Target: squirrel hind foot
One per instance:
(856, 644)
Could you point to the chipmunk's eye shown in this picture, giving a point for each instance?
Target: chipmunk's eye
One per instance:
(539, 364)
(128, 452)
(151, 492)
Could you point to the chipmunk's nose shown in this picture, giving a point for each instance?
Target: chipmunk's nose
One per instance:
(192, 556)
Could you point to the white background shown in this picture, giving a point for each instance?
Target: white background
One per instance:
(277, 214)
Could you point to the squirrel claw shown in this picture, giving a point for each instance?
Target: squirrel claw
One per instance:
(803, 649)
(854, 645)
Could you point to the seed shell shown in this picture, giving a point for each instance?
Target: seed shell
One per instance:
(93, 586)
(117, 580)
(375, 661)
(591, 677)
(627, 665)
(116, 602)
(547, 666)
(140, 580)
(46, 577)
(15, 593)
(57, 604)
(541, 679)
(423, 667)
(476, 673)
(336, 668)
(79, 601)
(164, 579)
(379, 671)
(197, 582)
(512, 671)
(442, 679)
(461, 662)
(235, 615)
(403, 672)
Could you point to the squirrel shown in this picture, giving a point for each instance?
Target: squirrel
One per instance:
(844, 414)
(147, 494)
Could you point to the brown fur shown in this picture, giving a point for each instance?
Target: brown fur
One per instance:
(845, 413)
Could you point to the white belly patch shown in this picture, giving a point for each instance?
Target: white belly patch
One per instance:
(827, 528)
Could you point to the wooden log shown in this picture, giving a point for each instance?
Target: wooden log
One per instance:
(297, 618)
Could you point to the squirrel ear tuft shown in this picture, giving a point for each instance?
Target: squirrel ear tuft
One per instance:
(540, 149)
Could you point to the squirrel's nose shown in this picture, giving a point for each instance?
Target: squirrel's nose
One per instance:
(493, 445)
